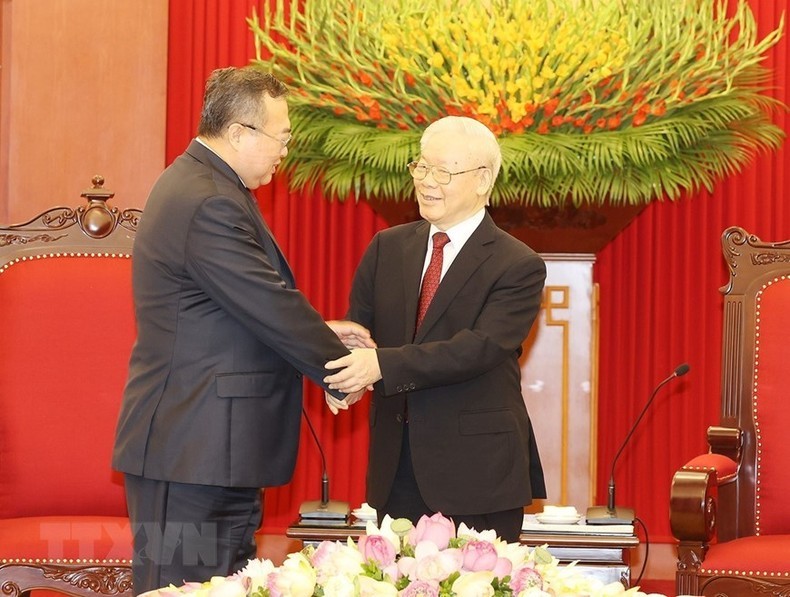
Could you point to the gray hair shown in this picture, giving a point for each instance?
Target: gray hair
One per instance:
(484, 141)
(235, 95)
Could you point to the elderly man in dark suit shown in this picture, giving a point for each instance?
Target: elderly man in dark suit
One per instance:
(449, 301)
(211, 410)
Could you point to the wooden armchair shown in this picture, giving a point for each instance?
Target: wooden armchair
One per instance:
(729, 508)
(67, 328)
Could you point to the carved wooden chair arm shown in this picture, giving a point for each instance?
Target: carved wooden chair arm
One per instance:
(692, 503)
(726, 441)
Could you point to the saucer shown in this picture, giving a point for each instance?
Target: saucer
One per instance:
(548, 519)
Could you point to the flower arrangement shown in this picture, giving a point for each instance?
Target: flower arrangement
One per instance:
(426, 560)
(593, 100)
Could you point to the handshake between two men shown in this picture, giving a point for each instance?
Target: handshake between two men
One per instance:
(357, 371)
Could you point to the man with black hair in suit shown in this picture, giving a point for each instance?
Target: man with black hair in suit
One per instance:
(211, 409)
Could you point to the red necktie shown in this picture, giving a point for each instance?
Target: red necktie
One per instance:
(430, 282)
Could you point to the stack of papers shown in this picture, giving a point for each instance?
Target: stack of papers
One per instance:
(531, 524)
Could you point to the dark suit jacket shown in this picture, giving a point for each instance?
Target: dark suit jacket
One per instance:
(214, 392)
(471, 439)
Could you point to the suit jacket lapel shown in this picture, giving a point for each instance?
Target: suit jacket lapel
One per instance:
(413, 260)
(474, 252)
(201, 153)
(270, 245)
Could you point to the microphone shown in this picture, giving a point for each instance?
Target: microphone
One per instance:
(611, 514)
(327, 511)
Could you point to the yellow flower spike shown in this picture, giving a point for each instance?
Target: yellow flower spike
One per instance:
(475, 75)
(437, 60)
(547, 73)
(516, 109)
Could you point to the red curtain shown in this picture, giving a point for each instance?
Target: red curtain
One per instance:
(659, 303)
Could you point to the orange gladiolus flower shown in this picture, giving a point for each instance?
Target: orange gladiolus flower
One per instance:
(550, 106)
(659, 108)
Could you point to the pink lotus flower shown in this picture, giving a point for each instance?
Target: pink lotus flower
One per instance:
(377, 548)
(437, 529)
(503, 568)
(479, 555)
(524, 578)
(421, 588)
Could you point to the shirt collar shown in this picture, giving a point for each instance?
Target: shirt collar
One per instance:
(211, 149)
(461, 232)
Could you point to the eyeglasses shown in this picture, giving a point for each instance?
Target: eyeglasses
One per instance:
(283, 142)
(440, 175)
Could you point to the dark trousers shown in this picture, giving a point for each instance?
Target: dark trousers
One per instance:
(405, 501)
(185, 532)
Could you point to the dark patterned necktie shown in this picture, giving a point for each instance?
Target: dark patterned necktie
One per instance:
(430, 282)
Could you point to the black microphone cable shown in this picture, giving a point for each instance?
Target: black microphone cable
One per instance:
(647, 551)
(324, 475)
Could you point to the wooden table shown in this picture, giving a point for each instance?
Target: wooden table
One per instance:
(598, 550)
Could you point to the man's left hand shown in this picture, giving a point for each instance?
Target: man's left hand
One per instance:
(351, 334)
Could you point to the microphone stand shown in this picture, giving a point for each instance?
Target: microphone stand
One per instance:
(327, 511)
(611, 514)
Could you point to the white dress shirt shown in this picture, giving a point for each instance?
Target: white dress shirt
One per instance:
(458, 235)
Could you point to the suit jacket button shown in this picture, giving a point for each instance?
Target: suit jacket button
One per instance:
(398, 388)
(399, 418)
(411, 386)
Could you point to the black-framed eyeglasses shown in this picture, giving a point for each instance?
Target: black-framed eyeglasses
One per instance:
(283, 142)
(441, 175)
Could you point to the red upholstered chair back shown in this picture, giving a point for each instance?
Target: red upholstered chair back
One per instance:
(769, 397)
(67, 328)
(756, 381)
